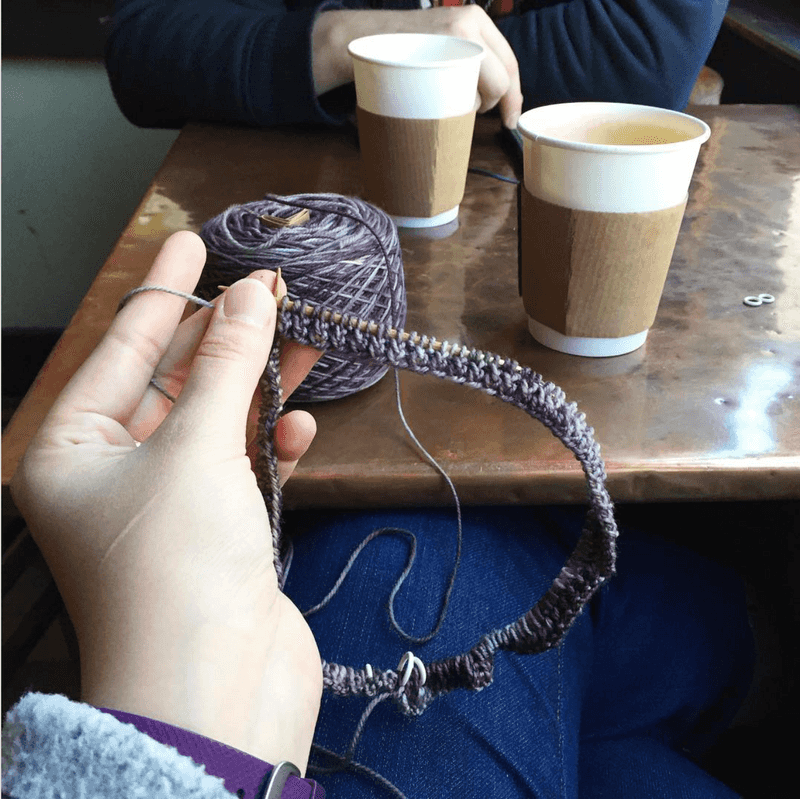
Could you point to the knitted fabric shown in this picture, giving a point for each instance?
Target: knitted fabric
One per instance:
(591, 563)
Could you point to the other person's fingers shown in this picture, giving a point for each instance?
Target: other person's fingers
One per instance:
(335, 29)
(499, 80)
(493, 82)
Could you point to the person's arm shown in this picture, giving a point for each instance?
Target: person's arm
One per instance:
(240, 61)
(255, 62)
(151, 520)
(632, 51)
(53, 746)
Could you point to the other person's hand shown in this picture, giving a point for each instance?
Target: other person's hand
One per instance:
(498, 84)
(162, 551)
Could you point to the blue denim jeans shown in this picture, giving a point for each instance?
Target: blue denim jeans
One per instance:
(649, 675)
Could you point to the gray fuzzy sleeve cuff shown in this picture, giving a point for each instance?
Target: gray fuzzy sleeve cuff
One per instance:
(53, 748)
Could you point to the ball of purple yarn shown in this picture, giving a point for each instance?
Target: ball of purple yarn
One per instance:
(346, 257)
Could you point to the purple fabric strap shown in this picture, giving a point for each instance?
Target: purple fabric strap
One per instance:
(240, 771)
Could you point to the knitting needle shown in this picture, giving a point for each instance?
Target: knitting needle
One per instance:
(300, 218)
(371, 327)
(278, 295)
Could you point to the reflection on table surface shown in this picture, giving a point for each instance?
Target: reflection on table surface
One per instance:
(708, 408)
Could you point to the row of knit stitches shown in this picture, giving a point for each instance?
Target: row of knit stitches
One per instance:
(515, 384)
(412, 697)
(509, 381)
(347, 681)
(266, 460)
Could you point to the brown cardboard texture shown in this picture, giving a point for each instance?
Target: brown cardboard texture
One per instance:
(598, 275)
(414, 167)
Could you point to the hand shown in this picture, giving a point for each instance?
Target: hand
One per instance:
(498, 83)
(162, 552)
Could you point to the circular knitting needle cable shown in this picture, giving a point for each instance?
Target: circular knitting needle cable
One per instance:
(591, 563)
(588, 567)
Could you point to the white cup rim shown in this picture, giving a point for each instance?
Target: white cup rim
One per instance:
(476, 51)
(703, 130)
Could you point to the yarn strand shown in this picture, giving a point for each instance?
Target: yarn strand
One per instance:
(459, 534)
(412, 554)
(266, 461)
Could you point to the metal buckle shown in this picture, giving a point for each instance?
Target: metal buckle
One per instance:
(277, 780)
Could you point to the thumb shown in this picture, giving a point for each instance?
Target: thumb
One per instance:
(227, 365)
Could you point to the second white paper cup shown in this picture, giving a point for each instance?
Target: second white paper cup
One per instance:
(610, 158)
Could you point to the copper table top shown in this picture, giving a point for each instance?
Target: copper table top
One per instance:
(709, 408)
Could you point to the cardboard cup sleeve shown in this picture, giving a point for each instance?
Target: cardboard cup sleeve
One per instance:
(593, 274)
(414, 167)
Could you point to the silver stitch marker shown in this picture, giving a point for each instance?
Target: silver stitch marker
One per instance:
(410, 661)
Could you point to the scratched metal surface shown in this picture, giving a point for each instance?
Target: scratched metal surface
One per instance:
(709, 408)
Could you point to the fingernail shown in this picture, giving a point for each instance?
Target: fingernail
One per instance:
(248, 301)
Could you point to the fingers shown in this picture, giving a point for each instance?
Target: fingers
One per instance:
(296, 362)
(510, 104)
(296, 359)
(226, 368)
(499, 81)
(171, 374)
(113, 379)
(174, 368)
(493, 82)
(293, 436)
(228, 361)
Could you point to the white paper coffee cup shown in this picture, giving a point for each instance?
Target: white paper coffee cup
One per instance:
(424, 79)
(629, 166)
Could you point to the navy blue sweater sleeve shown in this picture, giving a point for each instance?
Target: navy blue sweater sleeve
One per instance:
(633, 51)
(243, 61)
(249, 61)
